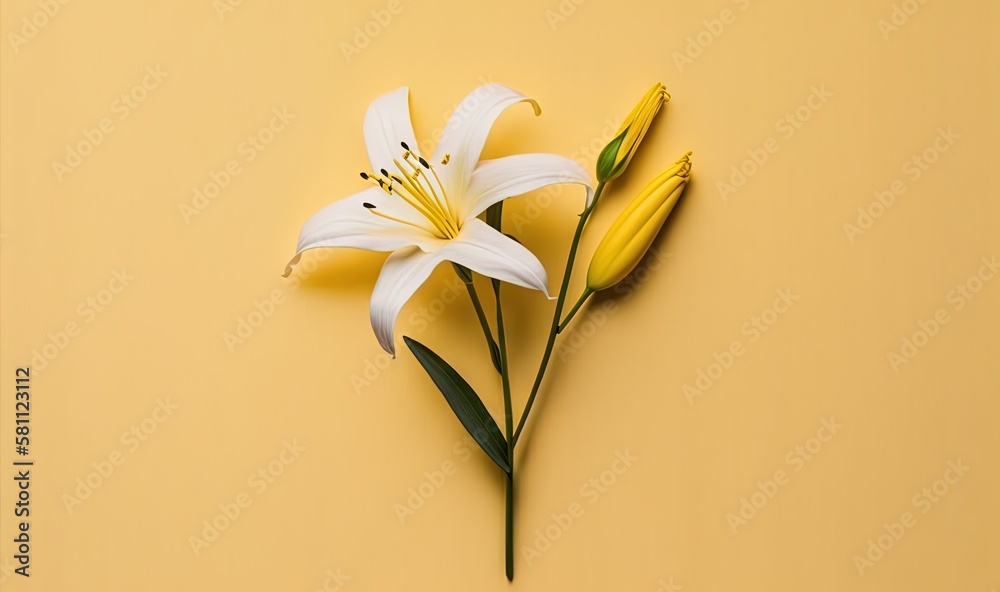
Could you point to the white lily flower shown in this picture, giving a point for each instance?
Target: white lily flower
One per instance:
(425, 212)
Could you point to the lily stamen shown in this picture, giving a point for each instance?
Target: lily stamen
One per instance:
(441, 202)
(371, 208)
(440, 216)
(441, 185)
(376, 181)
(416, 172)
(386, 185)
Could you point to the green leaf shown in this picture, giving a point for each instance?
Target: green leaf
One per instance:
(464, 402)
(495, 355)
(494, 215)
(463, 272)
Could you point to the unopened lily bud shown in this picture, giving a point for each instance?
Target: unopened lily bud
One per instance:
(616, 155)
(633, 232)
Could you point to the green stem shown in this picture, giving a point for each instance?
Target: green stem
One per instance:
(572, 313)
(476, 304)
(510, 523)
(554, 329)
(509, 421)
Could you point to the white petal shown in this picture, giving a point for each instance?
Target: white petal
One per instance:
(404, 271)
(387, 123)
(496, 180)
(348, 223)
(484, 250)
(478, 247)
(465, 134)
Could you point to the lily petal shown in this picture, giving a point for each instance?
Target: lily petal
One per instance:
(482, 249)
(404, 271)
(387, 123)
(465, 134)
(348, 223)
(478, 247)
(496, 180)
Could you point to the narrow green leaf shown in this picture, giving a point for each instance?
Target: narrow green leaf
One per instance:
(464, 401)
(495, 356)
(494, 215)
(463, 272)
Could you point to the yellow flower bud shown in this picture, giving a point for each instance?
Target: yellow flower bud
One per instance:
(633, 232)
(616, 155)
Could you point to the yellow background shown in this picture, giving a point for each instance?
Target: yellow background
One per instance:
(333, 509)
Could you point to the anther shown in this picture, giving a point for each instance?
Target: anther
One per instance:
(423, 162)
(364, 175)
(403, 144)
(369, 205)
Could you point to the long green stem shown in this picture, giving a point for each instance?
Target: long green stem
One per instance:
(494, 217)
(557, 314)
(509, 420)
(509, 547)
(572, 313)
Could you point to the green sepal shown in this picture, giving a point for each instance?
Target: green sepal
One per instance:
(606, 161)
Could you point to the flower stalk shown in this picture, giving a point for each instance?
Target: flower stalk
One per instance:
(587, 293)
(557, 313)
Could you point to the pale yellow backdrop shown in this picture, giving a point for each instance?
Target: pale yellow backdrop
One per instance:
(178, 381)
